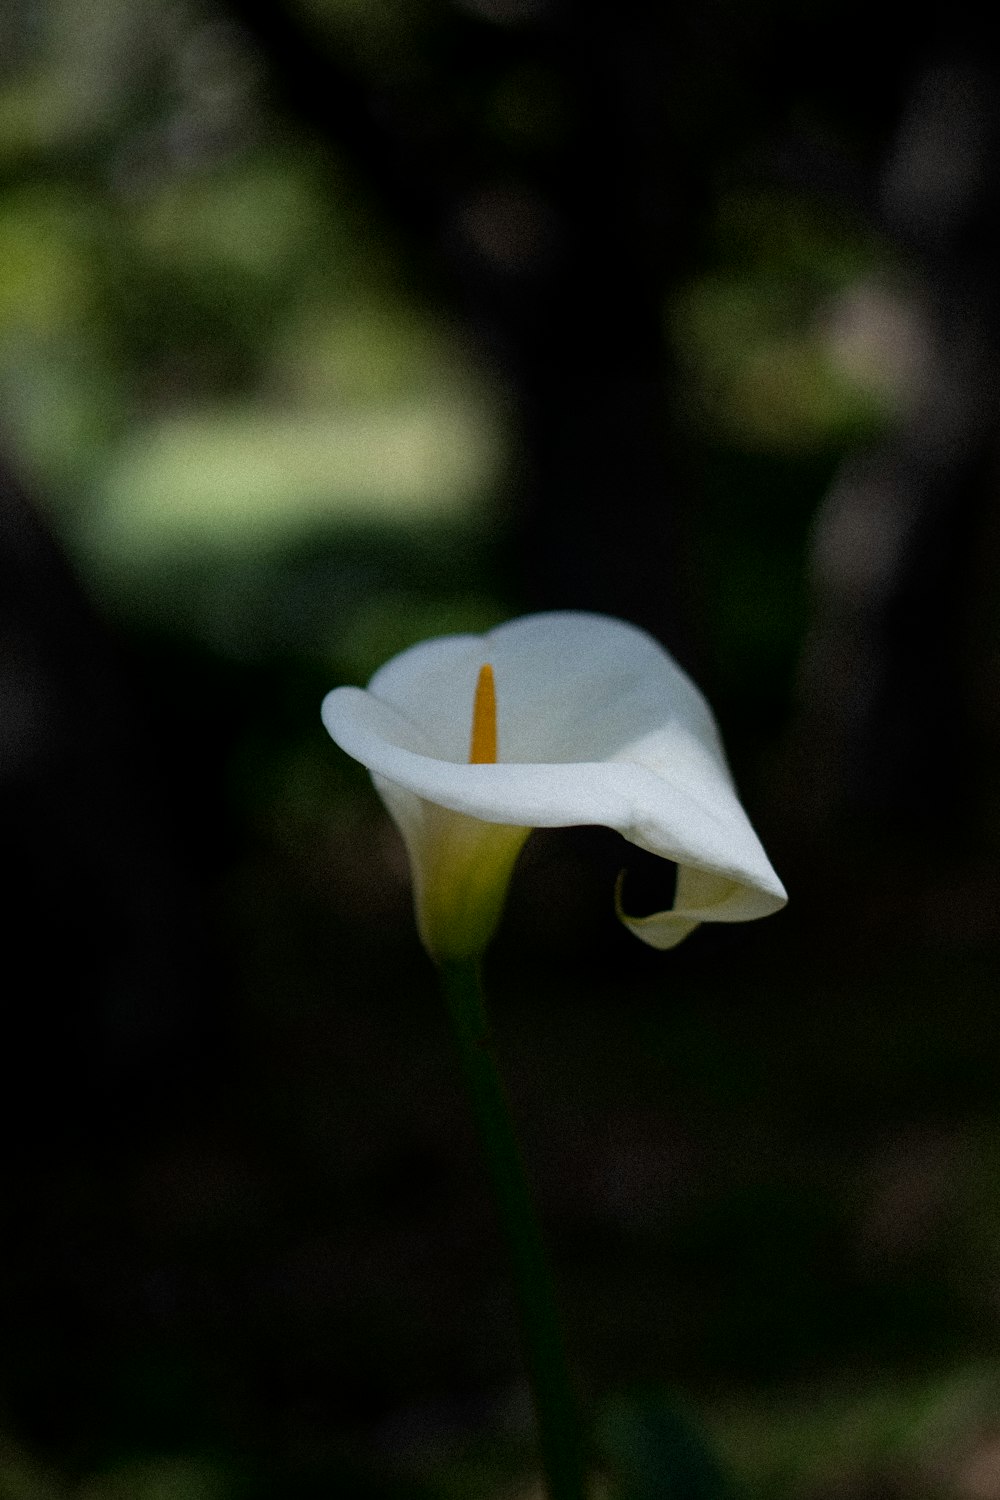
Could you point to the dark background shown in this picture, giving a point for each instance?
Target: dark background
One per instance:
(329, 326)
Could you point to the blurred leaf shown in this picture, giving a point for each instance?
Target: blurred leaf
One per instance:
(657, 1452)
(243, 481)
(792, 336)
(159, 1479)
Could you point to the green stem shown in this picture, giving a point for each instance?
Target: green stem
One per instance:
(555, 1408)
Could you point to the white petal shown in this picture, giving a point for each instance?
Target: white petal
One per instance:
(701, 896)
(461, 869)
(597, 725)
(570, 687)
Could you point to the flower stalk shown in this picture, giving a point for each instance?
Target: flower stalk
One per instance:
(548, 1373)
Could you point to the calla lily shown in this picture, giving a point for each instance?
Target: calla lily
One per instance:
(592, 722)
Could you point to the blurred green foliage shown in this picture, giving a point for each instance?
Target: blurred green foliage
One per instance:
(210, 350)
(771, 366)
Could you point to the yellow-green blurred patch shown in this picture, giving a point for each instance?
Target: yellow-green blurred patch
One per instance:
(43, 271)
(251, 478)
(798, 334)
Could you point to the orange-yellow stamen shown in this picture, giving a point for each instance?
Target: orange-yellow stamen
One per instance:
(483, 744)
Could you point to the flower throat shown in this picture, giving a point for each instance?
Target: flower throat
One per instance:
(483, 740)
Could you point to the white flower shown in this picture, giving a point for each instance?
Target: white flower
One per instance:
(594, 724)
